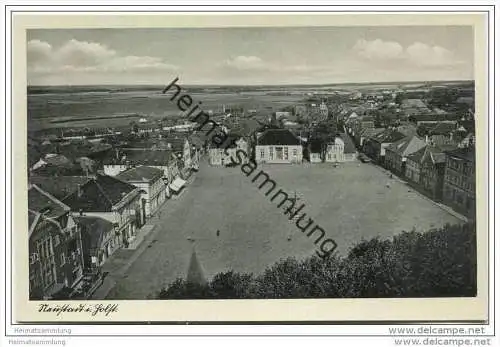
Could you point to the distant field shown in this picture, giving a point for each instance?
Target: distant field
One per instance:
(42, 108)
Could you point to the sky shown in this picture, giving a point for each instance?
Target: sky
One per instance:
(249, 56)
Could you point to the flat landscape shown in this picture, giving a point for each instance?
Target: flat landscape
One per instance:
(62, 105)
(351, 202)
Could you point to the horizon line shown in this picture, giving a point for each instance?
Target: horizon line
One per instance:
(260, 85)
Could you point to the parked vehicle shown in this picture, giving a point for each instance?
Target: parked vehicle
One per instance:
(364, 158)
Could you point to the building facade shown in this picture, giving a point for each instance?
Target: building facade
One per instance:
(460, 180)
(150, 182)
(114, 200)
(55, 248)
(278, 146)
(218, 157)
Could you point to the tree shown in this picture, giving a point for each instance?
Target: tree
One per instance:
(438, 263)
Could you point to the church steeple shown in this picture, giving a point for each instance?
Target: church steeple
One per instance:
(195, 273)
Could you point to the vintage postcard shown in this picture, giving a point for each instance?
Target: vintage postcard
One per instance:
(265, 167)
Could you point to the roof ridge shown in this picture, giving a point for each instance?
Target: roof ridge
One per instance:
(103, 192)
(51, 197)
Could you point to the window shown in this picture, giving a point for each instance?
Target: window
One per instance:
(271, 153)
(262, 154)
(294, 152)
(286, 153)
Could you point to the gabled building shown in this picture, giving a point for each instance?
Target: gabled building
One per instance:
(217, 155)
(150, 182)
(397, 153)
(460, 180)
(55, 248)
(376, 145)
(278, 146)
(338, 149)
(433, 170)
(109, 198)
(97, 241)
(366, 134)
(126, 158)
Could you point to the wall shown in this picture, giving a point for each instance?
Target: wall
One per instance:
(270, 154)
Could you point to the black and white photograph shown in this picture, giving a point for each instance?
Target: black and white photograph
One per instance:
(251, 163)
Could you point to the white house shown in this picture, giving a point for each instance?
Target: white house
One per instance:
(278, 146)
(149, 181)
(340, 149)
(127, 158)
(217, 156)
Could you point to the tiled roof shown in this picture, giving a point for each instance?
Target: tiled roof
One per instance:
(58, 160)
(442, 129)
(418, 155)
(406, 145)
(99, 194)
(278, 137)
(369, 132)
(39, 201)
(468, 154)
(388, 136)
(59, 187)
(140, 174)
(140, 156)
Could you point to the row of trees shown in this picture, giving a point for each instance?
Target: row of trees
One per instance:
(438, 263)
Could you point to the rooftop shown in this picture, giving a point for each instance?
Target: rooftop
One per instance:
(278, 137)
(140, 174)
(468, 154)
(140, 156)
(388, 136)
(348, 144)
(99, 194)
(61, 187)
(407, 145)
(39, 201)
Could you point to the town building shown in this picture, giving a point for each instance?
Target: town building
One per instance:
(150, 181)
(217, 155)
(397, 153)
(126, 158)
(338, 149)
(278, 146)
(55, 248)
(97, 241)
(365, 134)
(111, 199)
(376, 145)
(460, 180)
